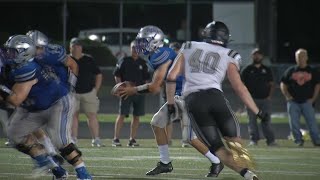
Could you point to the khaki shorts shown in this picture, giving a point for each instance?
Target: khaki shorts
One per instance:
(88, 102)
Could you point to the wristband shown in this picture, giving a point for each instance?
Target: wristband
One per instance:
(142, 88)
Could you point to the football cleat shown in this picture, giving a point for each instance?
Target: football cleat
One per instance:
(9, 143)
(97, 143)
(41, 171)
(215, 170)
(116, 143)
(133, 143)
(59, 173)
(250, 176)
(160, 168)
(185, 144)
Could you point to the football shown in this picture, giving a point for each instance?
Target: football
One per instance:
(115, 89)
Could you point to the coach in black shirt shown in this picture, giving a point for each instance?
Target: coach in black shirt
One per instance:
(135, 70)
(259, 81)
(300, 85)
(87, 86)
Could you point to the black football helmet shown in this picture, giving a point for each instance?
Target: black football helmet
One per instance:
(216, 32)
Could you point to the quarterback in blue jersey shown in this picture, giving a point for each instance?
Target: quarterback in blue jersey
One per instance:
(149, 41)
(41, 100)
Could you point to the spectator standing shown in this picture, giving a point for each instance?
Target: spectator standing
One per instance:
(87, 87)
(258, 79)
(300, 85)
(135, 70)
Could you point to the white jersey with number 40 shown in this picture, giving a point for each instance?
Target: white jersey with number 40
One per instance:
(206, 65)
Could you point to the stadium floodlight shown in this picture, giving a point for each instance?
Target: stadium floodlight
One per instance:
(93, 37)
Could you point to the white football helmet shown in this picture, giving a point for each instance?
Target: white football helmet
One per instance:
(149, 39)
(38, 38)
(23, 46)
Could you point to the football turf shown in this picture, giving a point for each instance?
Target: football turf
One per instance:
(286, 162)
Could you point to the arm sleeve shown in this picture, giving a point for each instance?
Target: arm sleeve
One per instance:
(27, 73)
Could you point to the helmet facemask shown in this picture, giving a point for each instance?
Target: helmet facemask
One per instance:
(20, 48)
(149, 39)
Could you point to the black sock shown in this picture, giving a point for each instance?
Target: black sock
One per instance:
(243, 171)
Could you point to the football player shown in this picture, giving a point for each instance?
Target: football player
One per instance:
(53, 58)
(40, 99)
(149, 41)
(205, 65)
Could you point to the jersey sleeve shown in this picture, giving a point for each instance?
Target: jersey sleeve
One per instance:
(161, 56)
(24, 74)
(235, 58)
(54, 54)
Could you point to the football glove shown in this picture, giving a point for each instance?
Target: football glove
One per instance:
(263, 116)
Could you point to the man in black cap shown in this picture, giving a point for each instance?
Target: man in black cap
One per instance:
(87, 87)
(259, 81)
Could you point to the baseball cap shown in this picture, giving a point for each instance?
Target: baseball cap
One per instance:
(75, 41)
(256, 50)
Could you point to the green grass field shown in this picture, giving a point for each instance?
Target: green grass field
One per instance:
(147, 118)
(285, 162)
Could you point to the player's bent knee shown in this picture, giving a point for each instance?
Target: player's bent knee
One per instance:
(71, 153)
(26, 149)
(158, 120)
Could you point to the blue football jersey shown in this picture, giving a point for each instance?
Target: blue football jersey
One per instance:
(161, 56)
(53, 60)
(45, 92)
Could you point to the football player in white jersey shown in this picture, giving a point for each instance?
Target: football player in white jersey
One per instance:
(205, 65)
(149, 42)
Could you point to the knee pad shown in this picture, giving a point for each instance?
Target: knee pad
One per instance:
(66, 151)
(160, 119)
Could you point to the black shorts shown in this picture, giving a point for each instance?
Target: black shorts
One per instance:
(137, 102)
(210, 108)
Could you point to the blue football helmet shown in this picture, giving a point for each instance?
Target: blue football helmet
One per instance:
(149, 39)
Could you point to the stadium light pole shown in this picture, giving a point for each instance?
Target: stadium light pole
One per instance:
(120, 25)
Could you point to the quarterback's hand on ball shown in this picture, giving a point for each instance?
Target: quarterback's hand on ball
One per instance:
(263, 116)
(127, 91)
(123, 89)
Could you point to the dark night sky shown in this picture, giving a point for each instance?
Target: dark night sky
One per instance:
(296, 21)
(298, 27)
